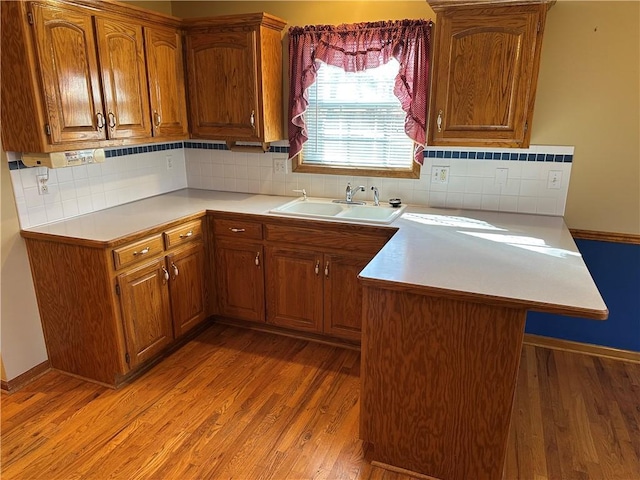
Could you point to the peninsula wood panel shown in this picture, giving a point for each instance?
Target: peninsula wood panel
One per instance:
(423, 360)
(78, 314)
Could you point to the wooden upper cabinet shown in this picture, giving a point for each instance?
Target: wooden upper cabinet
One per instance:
(165, 72)
(485, 69)
(66, 53)
(124, 78)
(234, 76)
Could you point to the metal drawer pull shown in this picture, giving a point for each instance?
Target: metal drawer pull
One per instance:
(253, 119)
(175, 270)
(187, 235)
(166, 276)
(439, 121)
(100, 121)
(237, 230)
(112, 120)
(326, 270)
(158, 118)
(317, 269)
(257, 260)
(144, 251)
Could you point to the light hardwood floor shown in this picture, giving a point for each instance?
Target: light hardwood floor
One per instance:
(240, 404)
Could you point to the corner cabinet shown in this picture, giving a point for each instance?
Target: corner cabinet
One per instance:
(75, 76)
(234, 76)
(485, 69)
(109, 310)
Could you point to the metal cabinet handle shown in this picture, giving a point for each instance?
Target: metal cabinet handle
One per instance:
(326, 270)
(257, 259)
(237, 230)
(175, 270)
(317, 269)
(187, 235)
(157, 118)
(439, 121)
(100, 121)
(112, 121)
(253, 119)
(166, 276)
(144, 251)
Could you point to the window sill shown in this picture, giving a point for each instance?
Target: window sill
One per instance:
(413, 172)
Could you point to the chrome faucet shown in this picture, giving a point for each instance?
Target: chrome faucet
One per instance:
(351, 192)
(376, 196)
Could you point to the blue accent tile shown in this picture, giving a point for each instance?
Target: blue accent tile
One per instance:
(21, 165)
(540, 157)
(13, 165)
(497, 156)
(505, 156)
(432, 154)
(531, 157)
(119, 152)
(439, 154)
(523, 157)
(568, 158)
(447, 154)
(480, 155)
(107, 153)
(548, 158)
(464, 154)
(472, 155)
(456, 154)
(513, 156)
(128, 151)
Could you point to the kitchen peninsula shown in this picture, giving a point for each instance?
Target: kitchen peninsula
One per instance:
(444, 306)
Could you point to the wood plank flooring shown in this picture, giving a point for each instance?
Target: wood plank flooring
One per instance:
(240, 404)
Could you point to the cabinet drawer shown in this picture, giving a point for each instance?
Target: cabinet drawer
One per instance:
(134, 252)
(238, 229)
(183, 233)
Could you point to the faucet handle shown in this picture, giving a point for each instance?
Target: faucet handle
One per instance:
(376, 196)
(303, 192)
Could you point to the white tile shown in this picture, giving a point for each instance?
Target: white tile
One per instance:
(475, 168)
(455, 200)
(546, 206)
(489, 187)
(65, 174)
(437, 199)
(98, 201)
(242, 172)
(55, 212)
(70, 208)
(458, 167)
(94, 170)
(278, 188)
(529, 187)
(206, 169)
(37, 216)
(266, 174)
(218, 183)
(512, 187)
(508, 203)
(83, 187)
(253, 186)
(457, 184)
(527, 204)
(79, 172)
(32, 198)
(473, 185)
(242, 185)
(491, 202)
(420, 197)
(472, 201)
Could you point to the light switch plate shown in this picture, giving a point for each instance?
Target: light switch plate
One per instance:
(554, 180)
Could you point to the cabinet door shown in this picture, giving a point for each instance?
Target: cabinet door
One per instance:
(187, 288)
(145, 310)
(165, 73)
(124, 78)
(343, 295)
(486, 67)
(223, 87)
(240, 279)
(294, 288)
(66, 51)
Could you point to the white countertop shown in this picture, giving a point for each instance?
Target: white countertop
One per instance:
(512, 259)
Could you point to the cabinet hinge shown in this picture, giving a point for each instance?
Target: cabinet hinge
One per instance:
(47, 129)
(30, 18)
(526, 126)
(538, 28)
(117, 289)
(127, 358)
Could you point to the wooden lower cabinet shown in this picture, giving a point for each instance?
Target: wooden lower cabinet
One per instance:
(146, 311)
(240, 279)
(295, 288)
(343, 295)
(187, 288)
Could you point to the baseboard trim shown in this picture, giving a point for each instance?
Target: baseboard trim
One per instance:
(402, 471)
(605, 236)
(585, 348)
(10, 386)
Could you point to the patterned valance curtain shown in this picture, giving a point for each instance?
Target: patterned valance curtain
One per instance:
(357, 47)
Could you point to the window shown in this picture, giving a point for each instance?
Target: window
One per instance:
(354, 121)
(358, 97)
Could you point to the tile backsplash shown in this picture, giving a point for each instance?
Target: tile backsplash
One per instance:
(133, 173)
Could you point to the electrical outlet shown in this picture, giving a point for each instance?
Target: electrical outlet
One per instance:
(169, 159)
(501, 176)
(439, 174)
(43, 189)
(555, 179)
(280, 165)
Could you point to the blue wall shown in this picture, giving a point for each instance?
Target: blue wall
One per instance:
(615, 268)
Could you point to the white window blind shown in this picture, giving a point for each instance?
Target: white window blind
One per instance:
(354, 120)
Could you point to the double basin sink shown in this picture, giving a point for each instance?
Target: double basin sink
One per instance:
(329, 209)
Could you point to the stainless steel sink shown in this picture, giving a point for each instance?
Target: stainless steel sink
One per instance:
(325, 208)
